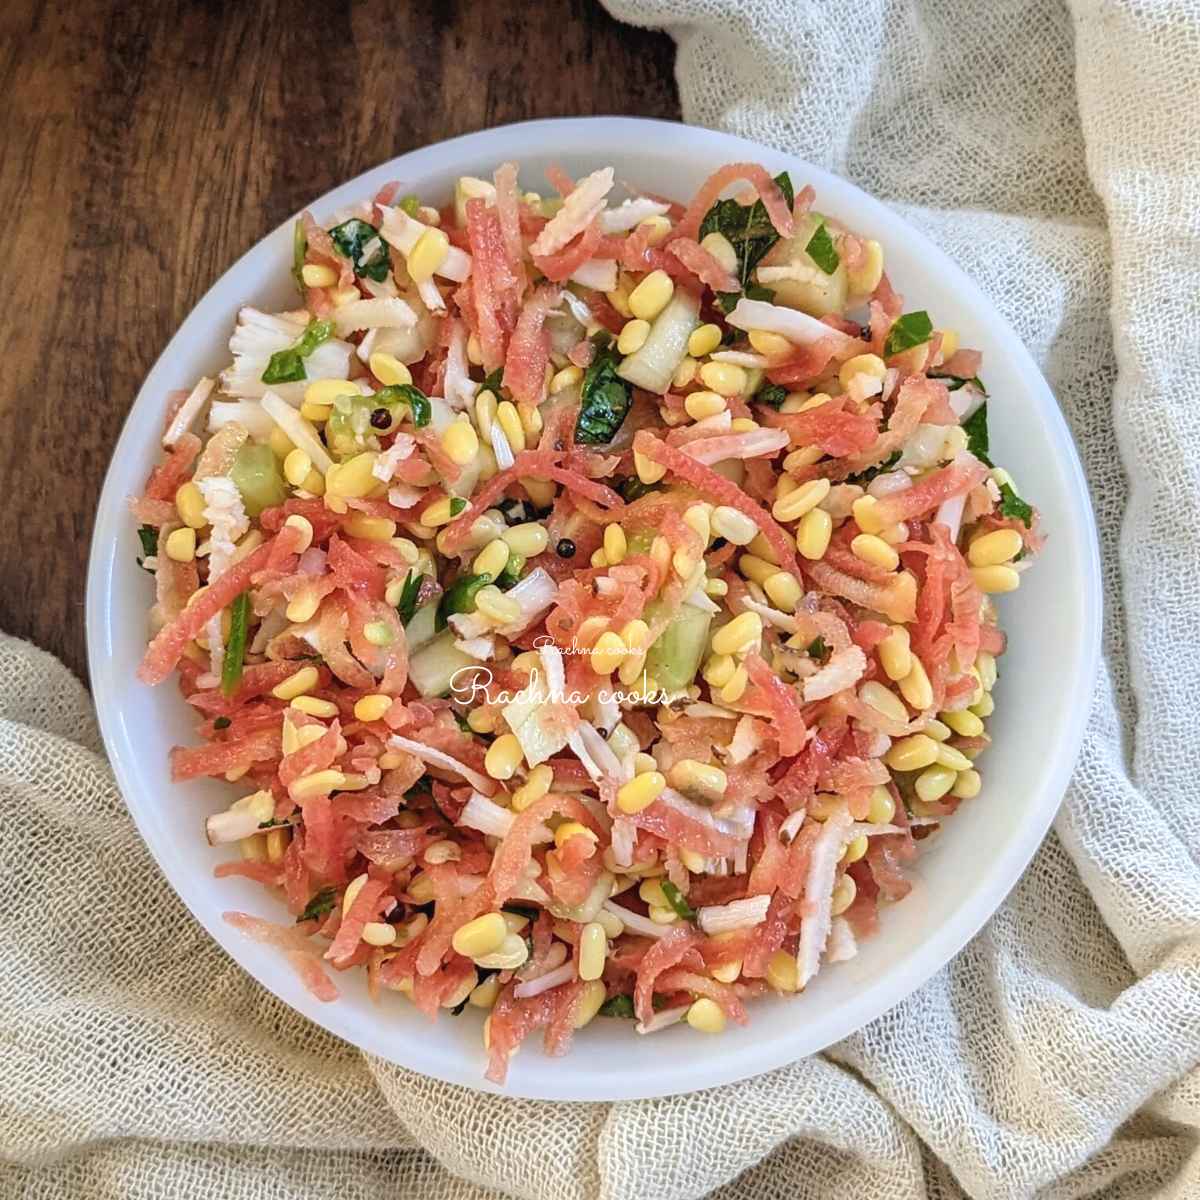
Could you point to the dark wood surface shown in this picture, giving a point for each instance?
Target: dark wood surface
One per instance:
(146, 146)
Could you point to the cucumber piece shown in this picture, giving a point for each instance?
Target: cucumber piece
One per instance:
(433, 667)
(654, 365)
(255, 472)
(675, 657)
(817, 294)
(421, 630)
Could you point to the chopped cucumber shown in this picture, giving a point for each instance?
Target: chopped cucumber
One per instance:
(255, 471)
(675, 657)
(433, 667)
(654, 365)
(421, 630)
(817, 294)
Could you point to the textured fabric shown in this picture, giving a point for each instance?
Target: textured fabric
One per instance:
(1053, 152)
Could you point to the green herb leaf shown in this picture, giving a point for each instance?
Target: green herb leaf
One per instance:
(748, 228)
(954, 382)
(460, 597)
(410, 203)
(821, 250)
(352, 238)
(148, 536)
(772, 394)
(907, 331)
(727, 301)
(865, 476)
(405, 393)
(1011, 505)
(408, 597)
(299, 250)
(676, 900)
(529, 911)
(221, 722)
(604, 401)
(617, 1006)
(287, 366)
(976, 429)
(235, 649)
(493, 382)
(421, 790)
(818, 649)
(457, 504)
(632, 488)
(461, 721)
(321, 905)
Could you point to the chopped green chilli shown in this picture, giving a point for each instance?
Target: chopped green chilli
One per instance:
(460, 596)
(676, 900)
(407, 606)
(405, 393)
(362, 245)
(235, 648)
(287, 366)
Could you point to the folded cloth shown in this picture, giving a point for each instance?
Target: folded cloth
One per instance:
(1053, 152)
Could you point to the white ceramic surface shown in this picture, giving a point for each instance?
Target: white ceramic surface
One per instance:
(959, 880)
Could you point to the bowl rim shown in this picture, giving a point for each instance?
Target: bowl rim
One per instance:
(690, 1072)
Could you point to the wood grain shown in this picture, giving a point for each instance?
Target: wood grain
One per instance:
(148, 145)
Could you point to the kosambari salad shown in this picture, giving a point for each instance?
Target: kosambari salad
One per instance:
(588, 597)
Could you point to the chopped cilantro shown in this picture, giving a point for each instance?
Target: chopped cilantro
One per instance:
(818, 649)
(976, 429)
(908, 330)
(632, 488)
(772, 394)
(1011, 505)
(676, 900)
(727, 301)
(617, 1006)
(352, 238)
(954, 382)
(604, 401)
(287, 366)
(321, 905)
(493, 382)
(148, 536)
(865, 476)
(221, 722)
(235, 649)
(747, 227)
(461, 721)
(821, 250)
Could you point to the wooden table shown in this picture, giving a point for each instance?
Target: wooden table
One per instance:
(149, 145)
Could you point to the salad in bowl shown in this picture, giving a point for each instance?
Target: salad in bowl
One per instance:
(588, 596)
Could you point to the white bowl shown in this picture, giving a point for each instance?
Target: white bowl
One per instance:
(1042, 698)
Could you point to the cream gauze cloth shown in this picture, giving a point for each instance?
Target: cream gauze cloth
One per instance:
(1055, 152)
